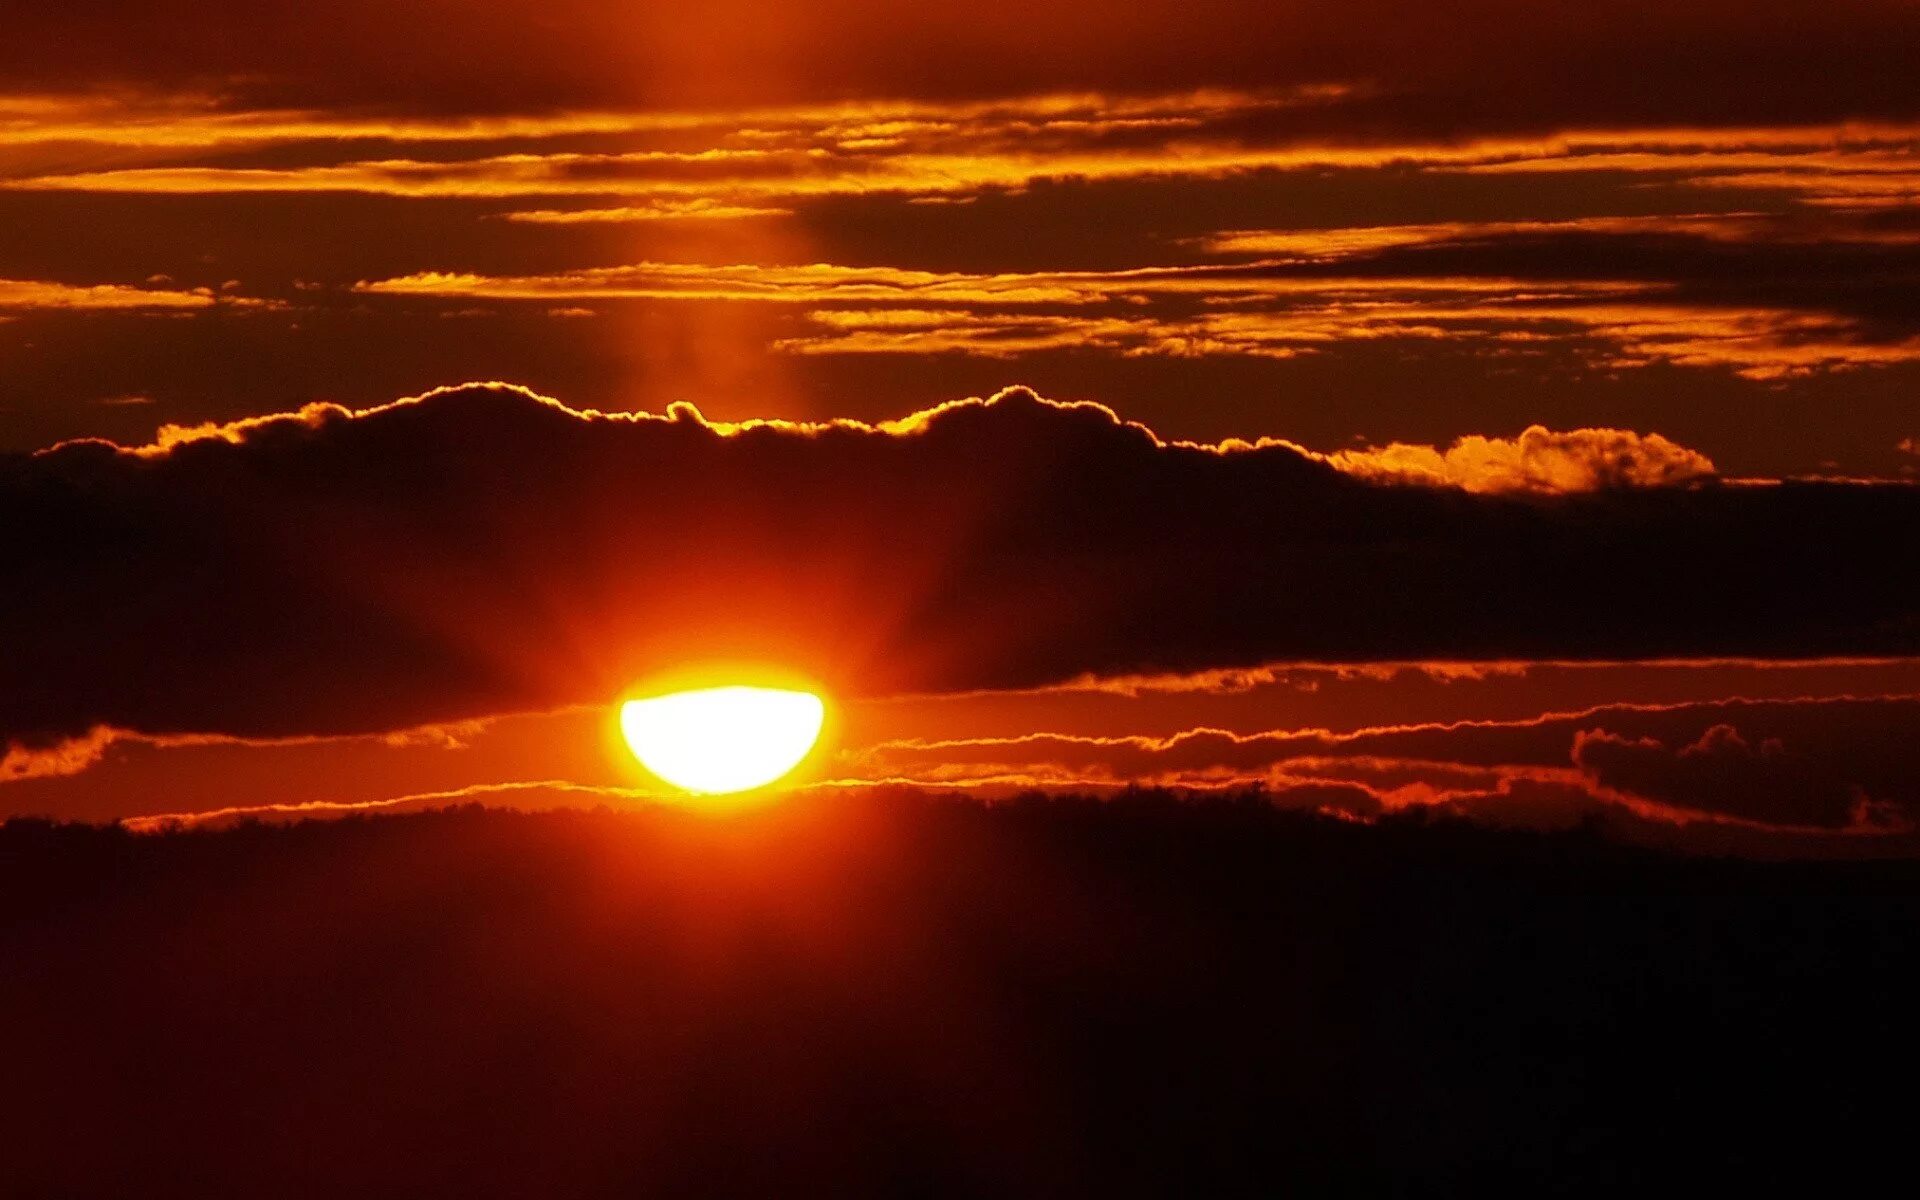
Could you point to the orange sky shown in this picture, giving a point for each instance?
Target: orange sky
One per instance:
(1582, 288)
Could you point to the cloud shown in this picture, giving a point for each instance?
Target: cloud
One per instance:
(481, 550)
(1309, 676)
(522, 794)
(1504, 299)
(1828, 765)
(1792, 775)
(186, 120)
(1817, 285)
(686, 161)
(44, 758)
(1765, 344)
(33, 294)
(68, 756)
(1539, 460)
(183, 120)
(1736, 228)
(799, 284)
(1794, 764)
(660, 210)
(1480, 64)
(761, 159)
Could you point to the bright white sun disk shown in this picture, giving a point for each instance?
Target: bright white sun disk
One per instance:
(724, 739)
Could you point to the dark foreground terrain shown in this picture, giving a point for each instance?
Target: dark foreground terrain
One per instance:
(897, 996)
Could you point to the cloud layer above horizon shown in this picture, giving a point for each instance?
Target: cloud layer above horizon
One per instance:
(1323, 222)
(483, 550)
(1525, 381)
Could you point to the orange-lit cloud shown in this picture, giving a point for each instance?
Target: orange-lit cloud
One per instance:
(1800, 763)
(206, 121)
(908, 147)
(1809, 203)
(1237, 680)
(525, 794)
(73, 755)
(659, 210)
(70, 756)
(809, 283)
(1724, 774)
(904, 146)
(1757, 343)
(1729, 227)
(40, 295)
(1252, 309)
(1539, 460)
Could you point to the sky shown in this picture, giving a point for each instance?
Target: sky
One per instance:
(1504, 409)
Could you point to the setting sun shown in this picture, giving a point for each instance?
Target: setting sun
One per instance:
(715, 741)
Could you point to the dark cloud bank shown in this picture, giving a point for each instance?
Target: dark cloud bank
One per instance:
(482, 550)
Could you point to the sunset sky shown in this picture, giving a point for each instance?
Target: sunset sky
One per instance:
(1506, 407)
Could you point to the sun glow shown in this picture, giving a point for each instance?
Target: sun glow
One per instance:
(720, 740)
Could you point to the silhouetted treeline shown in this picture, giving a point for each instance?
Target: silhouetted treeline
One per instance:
(892, 994)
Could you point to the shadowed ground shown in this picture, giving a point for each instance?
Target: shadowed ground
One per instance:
(892, 995)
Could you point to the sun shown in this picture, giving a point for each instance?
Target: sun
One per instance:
(715, 741)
